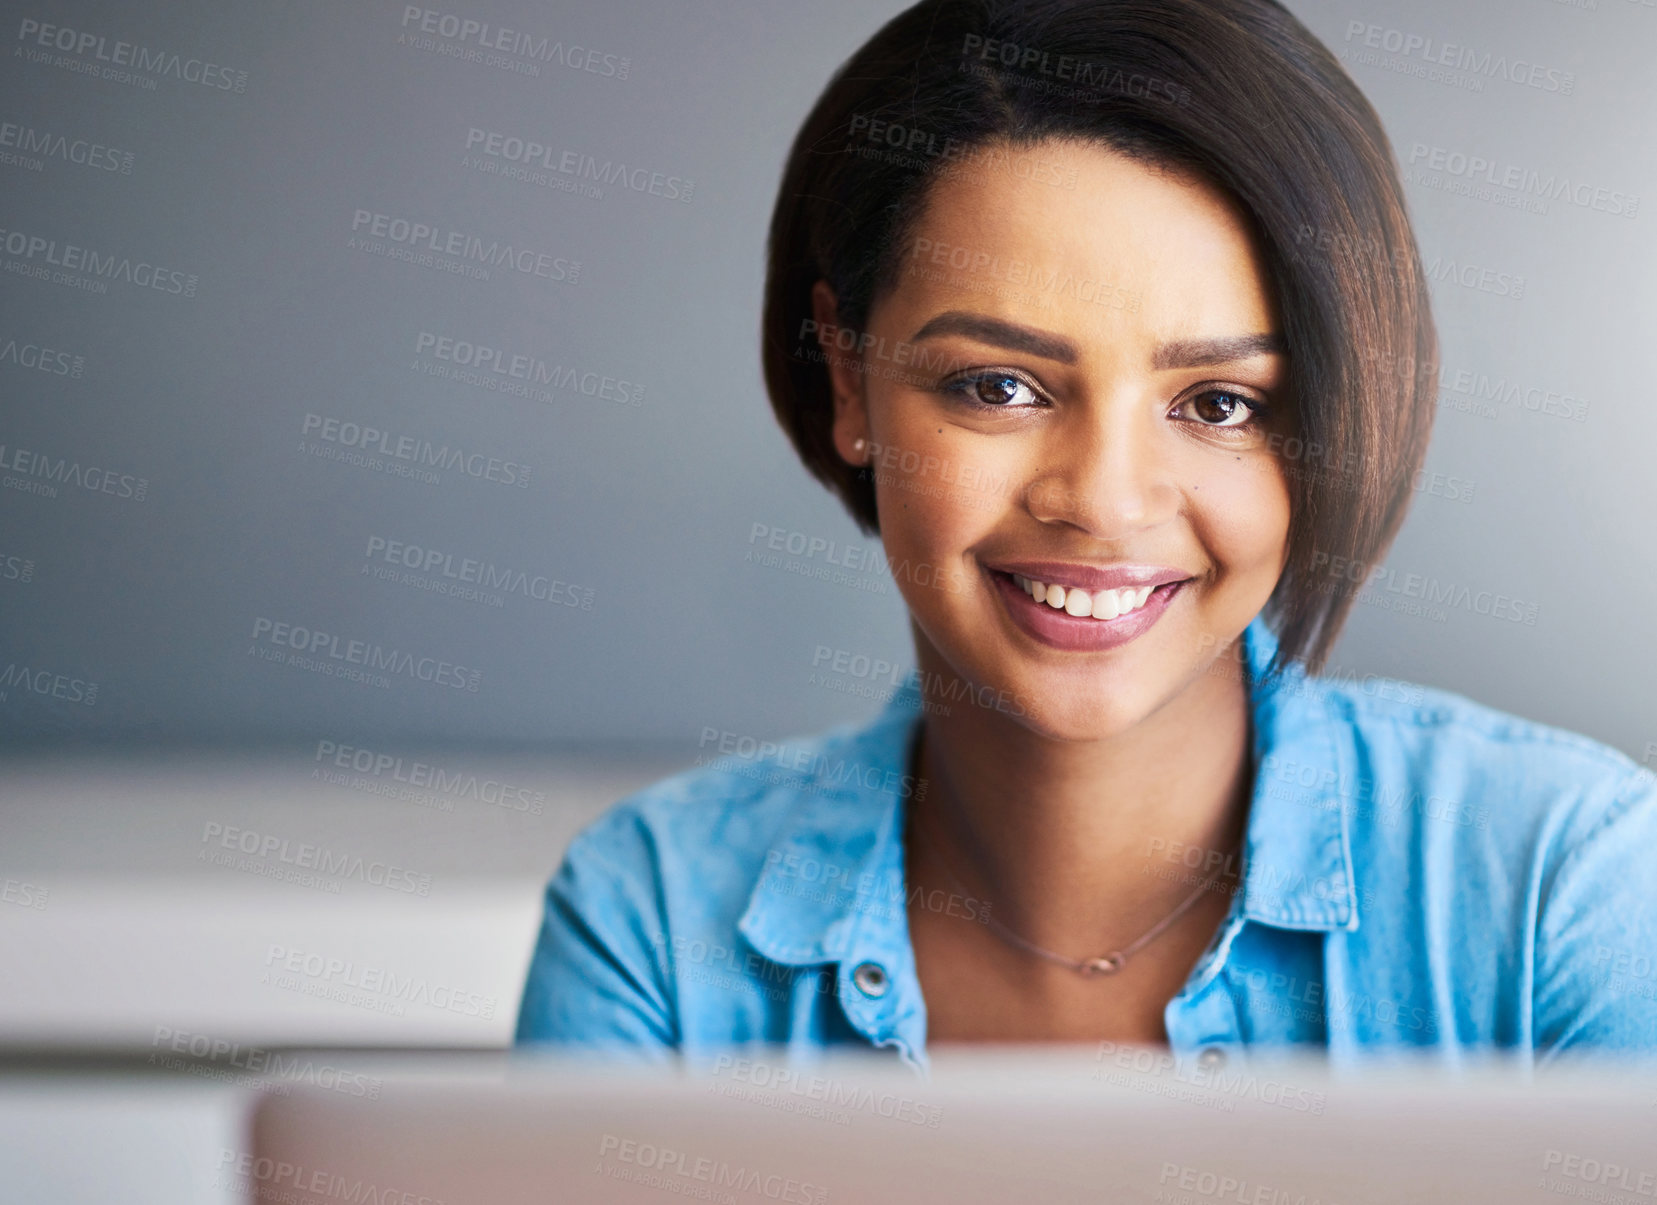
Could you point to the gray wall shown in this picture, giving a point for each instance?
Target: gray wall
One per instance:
(644, 501)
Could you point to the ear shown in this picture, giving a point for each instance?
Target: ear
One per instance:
(851, 415)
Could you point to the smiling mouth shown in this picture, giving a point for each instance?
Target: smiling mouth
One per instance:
(1102, 605)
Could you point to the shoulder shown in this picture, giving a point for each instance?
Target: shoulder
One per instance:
(1436, 755)
(1497, 859)
(662, 878)
(702, 836)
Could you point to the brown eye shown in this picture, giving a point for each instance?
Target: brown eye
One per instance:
(993, 391)
(996, 390)
(1218, 408)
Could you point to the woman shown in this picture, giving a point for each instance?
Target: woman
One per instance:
(1108, 318)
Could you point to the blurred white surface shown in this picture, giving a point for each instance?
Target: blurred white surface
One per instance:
(96, 1139)
(248, 901)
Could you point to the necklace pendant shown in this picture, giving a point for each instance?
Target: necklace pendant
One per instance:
(1108, 965)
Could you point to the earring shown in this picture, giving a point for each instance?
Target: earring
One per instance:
(858, 445)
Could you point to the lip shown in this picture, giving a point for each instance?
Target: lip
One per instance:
(1094, 578)
(1058, 629)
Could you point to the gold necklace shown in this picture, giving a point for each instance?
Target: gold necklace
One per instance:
(1105, 964)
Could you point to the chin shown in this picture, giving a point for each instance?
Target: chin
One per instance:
(1091, 716)
(1067, 705)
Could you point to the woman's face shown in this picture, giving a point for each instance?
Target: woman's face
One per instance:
(1064, 382)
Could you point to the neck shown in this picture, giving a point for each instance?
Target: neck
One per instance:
(1036, 825)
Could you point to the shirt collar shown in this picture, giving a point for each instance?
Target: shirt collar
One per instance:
(834, 872)
(1297, 869)
(832, 884)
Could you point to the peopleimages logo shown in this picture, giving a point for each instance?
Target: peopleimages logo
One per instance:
(24, 894)
(303, 855)
(16, 569)
(45, 253)
(670, 1170)
(285, 964)
(472, 37)
(319, 650)
(53, 361)
(1483, 64)
(374, 447)
(48, 684)
(780, 1083)
(258, 1061)
(1640, 1181)
(1068, 71)
(803, 761)
(1242, 1084)
(44, 144)
(40, 473)
(279, 1180)
(460, 784)
(454, 570)
(516, 375)
(575, 165)
(1528, 182)
(465, 254)
(1486, 393)
(141, 59)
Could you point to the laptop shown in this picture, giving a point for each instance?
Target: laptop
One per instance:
(1051, 1123)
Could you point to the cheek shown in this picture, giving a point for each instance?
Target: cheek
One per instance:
(938, 493)
(1242, 512)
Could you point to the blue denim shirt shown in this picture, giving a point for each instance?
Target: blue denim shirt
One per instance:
(1420, 871)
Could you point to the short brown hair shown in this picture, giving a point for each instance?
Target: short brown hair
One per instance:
(1237, 92)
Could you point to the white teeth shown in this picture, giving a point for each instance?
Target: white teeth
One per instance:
(1106, 604)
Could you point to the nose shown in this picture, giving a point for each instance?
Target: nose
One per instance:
(1111, 474)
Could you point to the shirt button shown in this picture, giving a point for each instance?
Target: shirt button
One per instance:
(870, 978)
(1211, 1058)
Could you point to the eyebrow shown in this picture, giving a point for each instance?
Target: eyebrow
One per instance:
(1179, 353)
